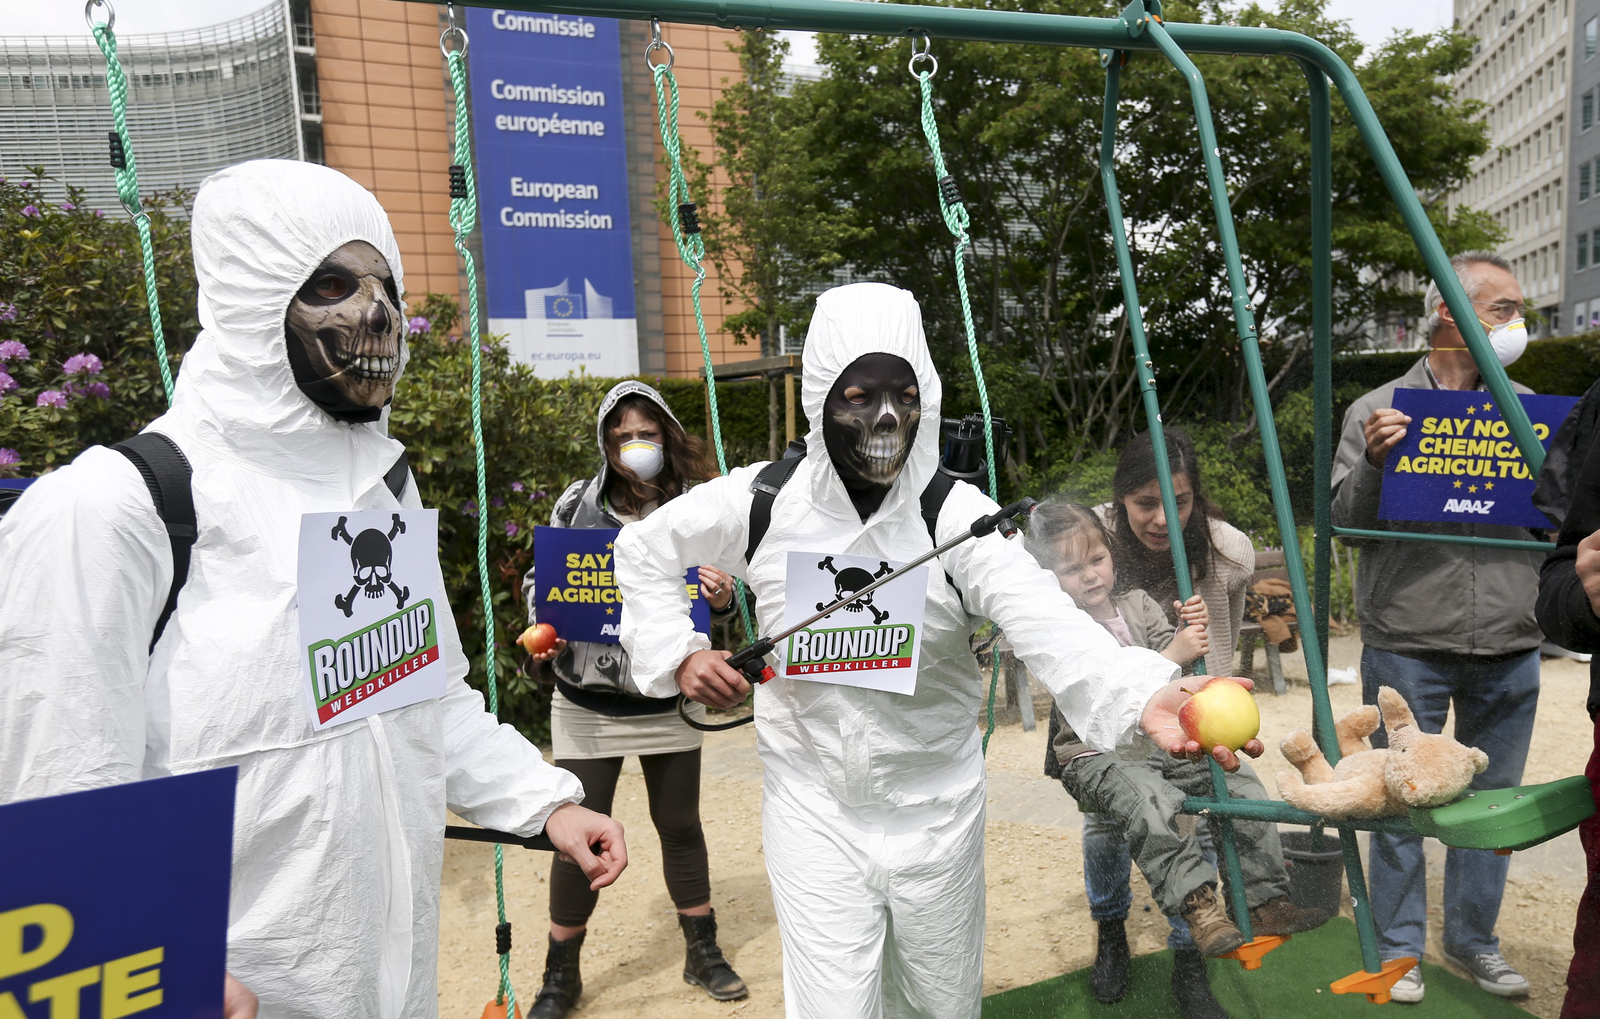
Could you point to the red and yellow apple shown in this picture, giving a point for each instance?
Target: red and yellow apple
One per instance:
(1221, 713)
(538, 638)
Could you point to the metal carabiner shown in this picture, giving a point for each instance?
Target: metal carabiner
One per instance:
(925, 53)
(658, 43)
(88, 14)
(453, 30)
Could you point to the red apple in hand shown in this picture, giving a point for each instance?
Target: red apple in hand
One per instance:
(1221, 713)
(538, 638)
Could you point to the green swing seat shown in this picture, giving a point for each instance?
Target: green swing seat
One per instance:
(1509, 819)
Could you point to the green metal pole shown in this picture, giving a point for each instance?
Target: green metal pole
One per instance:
(1447, 539)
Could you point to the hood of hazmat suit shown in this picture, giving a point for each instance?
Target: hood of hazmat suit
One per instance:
(848, 767)
(338, 833)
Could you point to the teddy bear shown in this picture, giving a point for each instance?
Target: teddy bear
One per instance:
(1419, 769)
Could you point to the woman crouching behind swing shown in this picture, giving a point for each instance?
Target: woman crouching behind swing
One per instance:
(598, 716)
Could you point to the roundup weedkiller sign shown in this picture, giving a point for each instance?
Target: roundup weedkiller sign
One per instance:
(1458, 461)
(369, 608)
(873, 644)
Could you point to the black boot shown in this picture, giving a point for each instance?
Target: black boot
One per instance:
(1192, 987)
(1109, 978)
(562, 982)
(703, 963)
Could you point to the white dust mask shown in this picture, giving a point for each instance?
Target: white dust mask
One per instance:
(642, 457)
(1509, 340)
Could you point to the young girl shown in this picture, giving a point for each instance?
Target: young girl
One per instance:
(1142, 799)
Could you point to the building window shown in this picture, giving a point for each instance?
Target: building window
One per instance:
(1586, 112)
(1590, 29)
(1577, 315)
(1583, 251)
(1583, 183)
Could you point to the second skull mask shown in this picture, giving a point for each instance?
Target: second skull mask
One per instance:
(344, 332)
(871, 416)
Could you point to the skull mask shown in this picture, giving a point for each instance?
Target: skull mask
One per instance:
(344, 330)
(869, 420)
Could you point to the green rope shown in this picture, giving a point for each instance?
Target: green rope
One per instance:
(128, 192)
(692, 250)
(463, 218)
(956, 218)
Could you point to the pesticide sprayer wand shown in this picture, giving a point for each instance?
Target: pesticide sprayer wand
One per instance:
(752, 659)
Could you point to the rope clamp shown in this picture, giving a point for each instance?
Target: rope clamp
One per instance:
(689, 218)
(119, 157)
(658, 43)
(949, 192)
(453, 30)
(919, 55)
(111, 14)
(458, 181)
(502, 938)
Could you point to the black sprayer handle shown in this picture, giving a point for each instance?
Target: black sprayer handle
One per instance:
(1003, 518)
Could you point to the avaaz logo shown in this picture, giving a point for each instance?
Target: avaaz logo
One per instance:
(1480, 506)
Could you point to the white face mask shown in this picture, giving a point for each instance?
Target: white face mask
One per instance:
(642, 457)
(1509, 339)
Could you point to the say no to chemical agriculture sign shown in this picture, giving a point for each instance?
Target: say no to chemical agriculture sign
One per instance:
(575, 585)
(1458, 461)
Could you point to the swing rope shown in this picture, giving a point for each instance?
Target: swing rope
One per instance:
(463, 219)
(127, 176)
(957, 220)
(691, 247)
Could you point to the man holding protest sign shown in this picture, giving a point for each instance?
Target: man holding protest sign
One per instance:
(1447, 623)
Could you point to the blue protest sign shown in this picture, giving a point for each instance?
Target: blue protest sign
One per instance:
(575, 586)
(1458, 462)
(547, 129)
(115, 901)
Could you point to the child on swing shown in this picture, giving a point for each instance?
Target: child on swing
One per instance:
(1143, 798)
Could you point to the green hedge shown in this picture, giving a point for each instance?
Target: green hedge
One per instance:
(1559, 366)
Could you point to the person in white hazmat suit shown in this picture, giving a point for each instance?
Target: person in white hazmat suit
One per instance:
(873, 807)
(338, 833)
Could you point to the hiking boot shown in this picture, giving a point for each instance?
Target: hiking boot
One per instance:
(1192, 986)
(1280, 916)
(562, 982)
(703, 963)
(1408, 988)
(1493, 973)
(1109, 977)
(1213, 933)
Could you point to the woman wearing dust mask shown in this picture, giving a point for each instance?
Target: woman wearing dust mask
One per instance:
(598, 716)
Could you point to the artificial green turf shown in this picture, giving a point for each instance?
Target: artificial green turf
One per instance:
(1285, 987)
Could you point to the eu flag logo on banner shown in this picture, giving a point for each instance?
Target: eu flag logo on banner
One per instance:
(1458, 462)
(563, 306)
(575, 585)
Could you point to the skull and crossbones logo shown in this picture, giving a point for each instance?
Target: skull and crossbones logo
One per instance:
(851, 579)
(371, 564)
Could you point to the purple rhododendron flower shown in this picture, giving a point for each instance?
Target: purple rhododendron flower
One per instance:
(67, 206)
(13, 350)
(7, 383)
(496, 501)
(25, 184)
(419, 325)
(51, 398)
(99, 215)
(97, 389)
(30, 210)
(516, 486)
(8, 312)
(8, 457)
(79, 363)
(470, 508)
(512, 530)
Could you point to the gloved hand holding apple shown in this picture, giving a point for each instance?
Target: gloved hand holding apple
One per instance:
(541, 642)
(1199, 715)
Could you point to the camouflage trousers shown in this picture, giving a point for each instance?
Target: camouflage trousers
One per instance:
(1143, 799)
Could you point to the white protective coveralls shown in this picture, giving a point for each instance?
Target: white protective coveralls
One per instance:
(338, 834)
(872, 819)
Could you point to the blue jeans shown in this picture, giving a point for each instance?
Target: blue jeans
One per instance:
(1107, 866)
(1494, 702)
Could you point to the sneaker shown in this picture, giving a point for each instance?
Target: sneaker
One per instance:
(1409, 987)
(1493, 973)
(1213, 933)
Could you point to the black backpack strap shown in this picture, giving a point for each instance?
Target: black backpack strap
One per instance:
(933, 498)
(167, 474)
(396, 477)
(769, 481)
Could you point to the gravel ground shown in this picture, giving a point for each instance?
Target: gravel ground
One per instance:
(1038, 923)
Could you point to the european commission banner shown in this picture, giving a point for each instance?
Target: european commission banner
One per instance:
(1458, 462)
(553, 189)
(114, 901)
(575, 585)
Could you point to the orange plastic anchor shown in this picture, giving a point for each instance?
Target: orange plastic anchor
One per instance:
(1375, 985)
(1250, 953)
(497, 1010)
